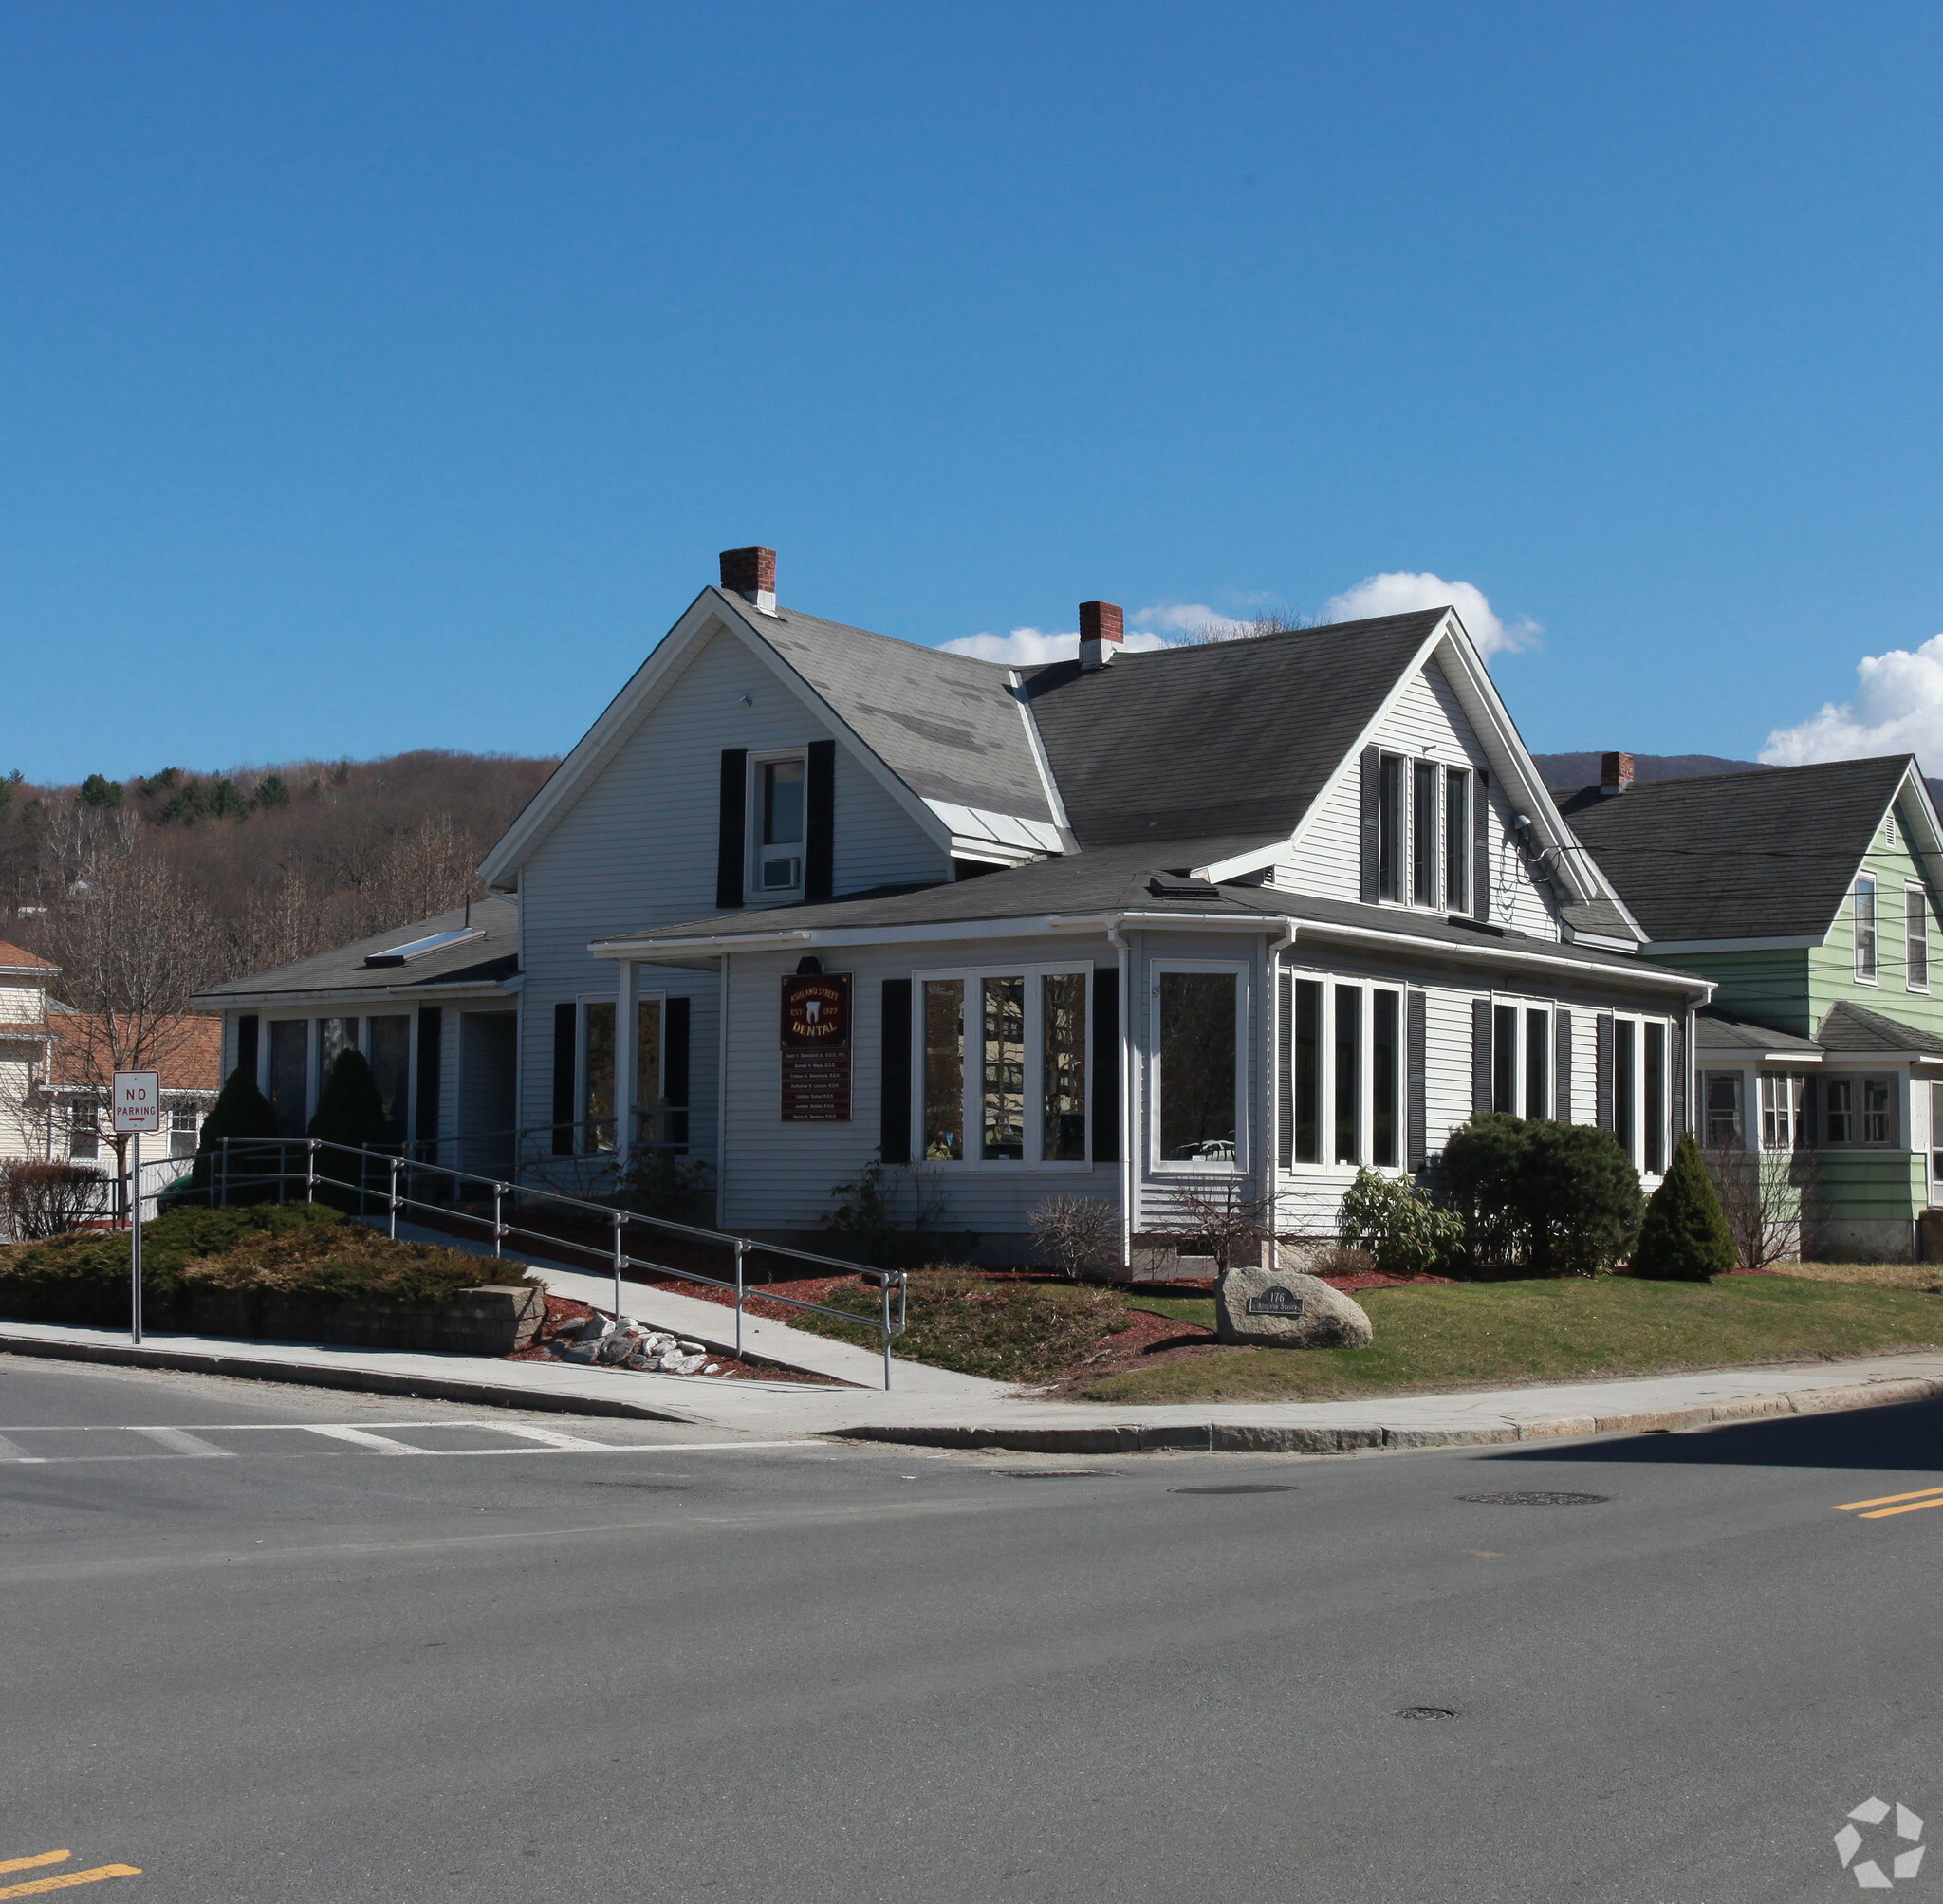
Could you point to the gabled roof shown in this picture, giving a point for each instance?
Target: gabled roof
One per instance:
(1718, 1029)
(1767, 854)
(485, 962)
(1235, 737)
(1854, 1027)
(186, 1051)
(17, 958)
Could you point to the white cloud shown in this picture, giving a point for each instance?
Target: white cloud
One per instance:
(1400, 593)
(1184, 618)
(1032, 647)
(1897, 709)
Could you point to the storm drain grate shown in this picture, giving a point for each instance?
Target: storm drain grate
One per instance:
(1239, 1488)
(1424, 1713)
(1520, 1497)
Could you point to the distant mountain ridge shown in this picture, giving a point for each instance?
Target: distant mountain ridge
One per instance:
(1564, 772)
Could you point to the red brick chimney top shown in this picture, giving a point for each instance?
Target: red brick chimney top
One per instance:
(1102, 630)
(752, 574)
(1615, 772)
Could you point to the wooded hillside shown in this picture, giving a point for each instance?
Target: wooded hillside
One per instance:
(266, 865)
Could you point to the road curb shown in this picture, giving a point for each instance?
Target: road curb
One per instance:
(368, 1382)
(1221, 1437)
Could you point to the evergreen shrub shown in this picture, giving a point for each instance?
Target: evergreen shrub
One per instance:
(1556, 1199)
(1685, 1236)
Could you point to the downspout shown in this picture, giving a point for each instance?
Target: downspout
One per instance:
(1271, 1150)
(721, 1097)
(1126, 1100)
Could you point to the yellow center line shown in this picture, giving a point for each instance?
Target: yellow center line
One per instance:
(1886, 1500)
(1880, 1514)
(69, 1878)
(39, 1858)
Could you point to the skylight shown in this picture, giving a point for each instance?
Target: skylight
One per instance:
(417, 948)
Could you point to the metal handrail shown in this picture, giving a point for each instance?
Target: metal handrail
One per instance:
(225, 1179)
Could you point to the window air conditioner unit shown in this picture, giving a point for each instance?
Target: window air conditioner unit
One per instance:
(779, 876)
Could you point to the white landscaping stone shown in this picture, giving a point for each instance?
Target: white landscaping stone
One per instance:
(1289, 1311)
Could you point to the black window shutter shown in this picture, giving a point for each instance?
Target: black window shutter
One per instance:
(732, 829)
(1480, 1056)
(1604, 1089)
(246, 1044)
(820, 822)
(1285, 1072)
(894, 1102)
(1811, 1100)
(430, 1043)
(1481, 846)
(1562, 1066)
(1106, 1065)
(1416, 1059)
(1676, 1080)
(566, 1022)
(675, 1019)
(1372, 834)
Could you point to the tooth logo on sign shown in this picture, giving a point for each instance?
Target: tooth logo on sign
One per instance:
(1869, 1874)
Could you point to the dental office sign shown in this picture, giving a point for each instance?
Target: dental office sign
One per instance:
(816, 1048)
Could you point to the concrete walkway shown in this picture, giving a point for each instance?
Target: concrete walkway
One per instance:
(713, 1324)
(1001, 1418)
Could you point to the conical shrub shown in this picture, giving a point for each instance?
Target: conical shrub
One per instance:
(349, 1112)
(240, 1111)
(1685, 1237)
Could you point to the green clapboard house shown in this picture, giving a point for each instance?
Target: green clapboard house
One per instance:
(1807, 895)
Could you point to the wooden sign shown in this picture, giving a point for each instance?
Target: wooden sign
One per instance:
(816, 1048)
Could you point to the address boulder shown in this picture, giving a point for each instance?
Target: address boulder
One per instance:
(1290, 1310)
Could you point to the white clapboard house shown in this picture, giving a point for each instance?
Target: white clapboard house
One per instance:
(806, 897)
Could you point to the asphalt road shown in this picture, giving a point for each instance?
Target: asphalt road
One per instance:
(265, 1663)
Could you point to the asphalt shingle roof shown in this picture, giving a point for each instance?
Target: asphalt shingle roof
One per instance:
(1848, 1027)
(477, 961)
(1234, 737)
(1738, 856)
(946, 725)
(1718, 1030)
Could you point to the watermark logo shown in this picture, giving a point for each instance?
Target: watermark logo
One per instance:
(1869, 1874)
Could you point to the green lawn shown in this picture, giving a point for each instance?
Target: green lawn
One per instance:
(1432, 1337)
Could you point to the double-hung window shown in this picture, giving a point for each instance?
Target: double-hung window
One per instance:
(1859, 1110)
(1004, 1060)
(1390, 827)
(1720, 1109)
(778, 811)
(1915, 938)
(1865, 929)
(1783, 1096)
(1457, 839)
(1423, 833)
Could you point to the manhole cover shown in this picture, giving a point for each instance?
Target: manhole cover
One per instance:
(1520, 1497)
(1240, 1487)
(1424, 1713)
(1060, 1473)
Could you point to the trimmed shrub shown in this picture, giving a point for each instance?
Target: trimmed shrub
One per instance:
(1560, 1199)
(1685, 1236)
(1399, 1225)
(350, 1113)
(240, 1111)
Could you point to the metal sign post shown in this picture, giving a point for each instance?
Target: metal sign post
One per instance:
(138, 1107)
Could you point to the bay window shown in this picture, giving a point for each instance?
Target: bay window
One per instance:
(1026, 1093)
(1197, 1048)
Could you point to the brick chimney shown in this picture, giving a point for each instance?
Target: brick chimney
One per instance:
(752, 574)
(1615, 774)
(1102, 631)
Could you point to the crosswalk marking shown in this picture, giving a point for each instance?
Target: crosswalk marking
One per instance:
(384, 1443)
(551, 1437)
(179, 1441)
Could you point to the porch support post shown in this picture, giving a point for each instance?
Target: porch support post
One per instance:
(626, 1025)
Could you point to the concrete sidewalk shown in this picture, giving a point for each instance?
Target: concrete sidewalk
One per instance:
(1002, 1418)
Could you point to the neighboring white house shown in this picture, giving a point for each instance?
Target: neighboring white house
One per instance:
(1251, 913)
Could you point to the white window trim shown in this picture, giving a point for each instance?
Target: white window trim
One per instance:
(1702, 1136)
(1523, 1004)
(1636, 1146)
(1186, 1167)
(755, 891)
(1900, 1113)
(1798, 1095)
(1437, 770)
(1467, 872)
(1874, 976)
(972, 1117)
(1912, 888)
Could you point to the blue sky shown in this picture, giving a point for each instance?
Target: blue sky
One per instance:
(382, 377)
